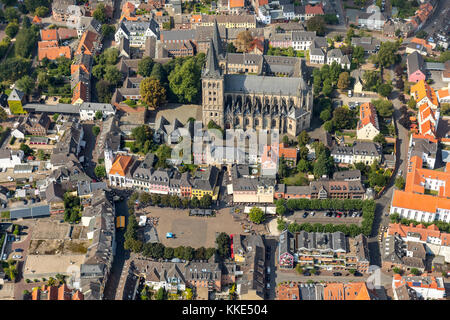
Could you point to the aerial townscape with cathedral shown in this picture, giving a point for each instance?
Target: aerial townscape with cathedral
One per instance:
(224, 150)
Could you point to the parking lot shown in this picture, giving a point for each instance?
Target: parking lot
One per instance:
(319, 217)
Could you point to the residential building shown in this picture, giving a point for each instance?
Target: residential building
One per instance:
(137, 32)
(281, 152)
(423, 93)
(415, 67)
(98, 217)
(286, 248)
(369, 44)
(424, 147)
(426, 287)
(10, 158)
(399, 254)
(60, 10)
(426, 194)
(90, 43)
(428, 120)
(372, 19)
(436, 243)
(347, 175)
(56, 293)
(332, 251)
(336, 189)
(368, 127)
(335, 55)
(289, 291)
(88, 110)
(346, 291)
(361, 151)
(204, 182)
(443, 95)
(36, 124)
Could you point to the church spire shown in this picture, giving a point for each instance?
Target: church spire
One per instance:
(217, 41)
(212, 67)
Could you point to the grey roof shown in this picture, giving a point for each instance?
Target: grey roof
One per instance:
(212, 66)
(57, 108)
(347, 175)
(87, 187)
(33, 212)
(139, 26)
(335, 53)
(316, 52)
(439, 66)
(54, 192)
(303, 35)
(205, 180)
(322, 241)
(263, 84)
(415, 62)
(104, 107)
(367, 148)
(176, 35)
(420, 147)
(284, 243)
(368, 43)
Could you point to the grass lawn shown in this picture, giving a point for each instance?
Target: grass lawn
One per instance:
(299, 179)
(129, 144)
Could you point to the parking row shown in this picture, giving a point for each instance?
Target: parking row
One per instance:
(335, 214)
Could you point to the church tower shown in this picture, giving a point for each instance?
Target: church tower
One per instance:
(213, 87)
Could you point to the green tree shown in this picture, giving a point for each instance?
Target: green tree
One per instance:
(113, 75)
(11, 29)
(41, 154)
(26, 150)
(400, 182)
(26, 41)
(108, 30)
(344, 80)
(152, 93)
(161, 294)
(223, 245)
(325, 115)
(328, 126)
(100, 13)
(384, 108)
(100, 171)
(205, 201)
(412, 103)
(168, 253)
(303, 166)
(231, 48)
(387, 54)
(358, 54)
(384, 89)
(327, 88)
(111, 55)
(98, 71)
(256, 215)
(317, 23)
(41, 11)
(185, 82)
(26, 84)
(303, 138)
(95, 130)
(11, 14)
(98, 115)
(145, 67)
(104, 93)
(379, 138)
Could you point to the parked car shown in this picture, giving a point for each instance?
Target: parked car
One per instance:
(17, 256)
(337, 274)
(312, 214)
(268, 286)
(25, 202)
(18, 250)
(5, 256)
(268, 270)
(305, 214)
(306, 274)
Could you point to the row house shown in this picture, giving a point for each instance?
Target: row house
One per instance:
(361, 151)
(332, 189)
(416, 69)
(60, 9)
(245, 21)
(425, 287)
(425, 147)
(423, 93)
(332, 251)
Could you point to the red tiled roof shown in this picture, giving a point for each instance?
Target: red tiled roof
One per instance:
(53, 53)
(317, 9)
(50, 34)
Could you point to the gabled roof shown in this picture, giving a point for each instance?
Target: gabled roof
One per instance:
(50, 34)
(367, 114)
(120, 165)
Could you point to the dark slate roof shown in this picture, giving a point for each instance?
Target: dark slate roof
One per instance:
(415, 62)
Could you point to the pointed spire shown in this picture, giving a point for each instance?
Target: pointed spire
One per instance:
(212, 67)
(217, 41)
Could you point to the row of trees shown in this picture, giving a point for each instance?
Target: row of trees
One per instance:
(158, 250)
(172, 201)
(72, 208)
